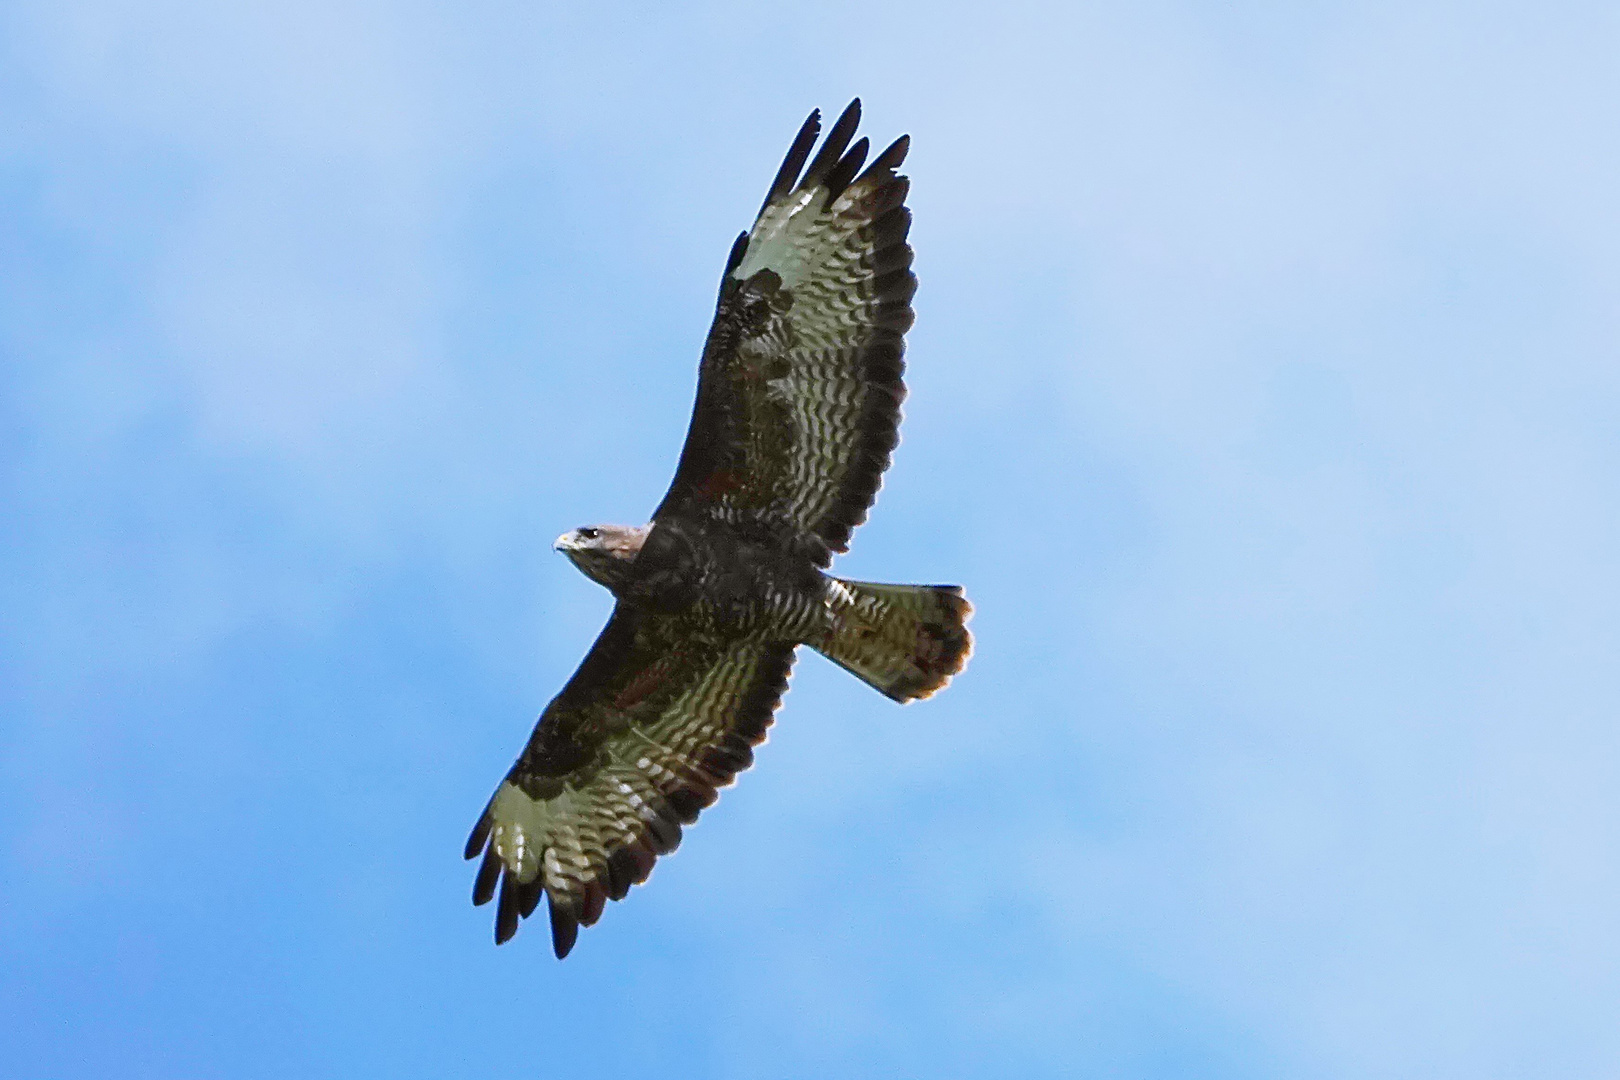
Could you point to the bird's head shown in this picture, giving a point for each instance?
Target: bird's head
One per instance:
(603, 553)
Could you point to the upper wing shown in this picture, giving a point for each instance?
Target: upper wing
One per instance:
(798, 402)
(637, 743)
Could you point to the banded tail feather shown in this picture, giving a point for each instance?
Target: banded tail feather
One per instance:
(905, 641)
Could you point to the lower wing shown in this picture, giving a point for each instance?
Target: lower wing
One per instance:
(637, 744)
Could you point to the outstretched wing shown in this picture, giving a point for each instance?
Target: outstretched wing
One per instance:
(798, 403)
(641, 739)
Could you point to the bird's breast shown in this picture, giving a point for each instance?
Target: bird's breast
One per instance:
(730, 585)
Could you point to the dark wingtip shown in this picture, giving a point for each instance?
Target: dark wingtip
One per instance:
(619, 868)
(595, 901)
(488, 874)
(891, 159)
(664, 835)
(738, 250)
(506, 912)
(788, 174)
(529, 896)
(833, 147)
(480, 834)
(564, 929)
(842, 173)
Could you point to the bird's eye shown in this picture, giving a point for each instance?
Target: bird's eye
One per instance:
(589, 534)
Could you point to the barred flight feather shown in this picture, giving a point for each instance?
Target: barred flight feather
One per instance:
(801, 382)
(598, 835)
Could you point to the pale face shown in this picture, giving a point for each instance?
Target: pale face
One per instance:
(603, 553)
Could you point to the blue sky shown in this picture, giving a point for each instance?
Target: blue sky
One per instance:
(1264, 389)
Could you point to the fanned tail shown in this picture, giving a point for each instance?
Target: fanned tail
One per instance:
(906, 641)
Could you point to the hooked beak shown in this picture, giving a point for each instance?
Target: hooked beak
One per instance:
(565, 542)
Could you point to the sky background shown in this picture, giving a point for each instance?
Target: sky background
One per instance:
(1264, 397)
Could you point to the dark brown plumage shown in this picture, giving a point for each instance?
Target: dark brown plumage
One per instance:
(797, 413)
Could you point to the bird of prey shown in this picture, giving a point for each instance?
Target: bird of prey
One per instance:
(797, 412)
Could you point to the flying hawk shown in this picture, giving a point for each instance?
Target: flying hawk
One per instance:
(798, 409)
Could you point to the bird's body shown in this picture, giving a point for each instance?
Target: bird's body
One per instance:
(796, 416)
(723, 584)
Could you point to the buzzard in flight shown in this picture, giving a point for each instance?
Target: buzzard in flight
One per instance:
(798, 409)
